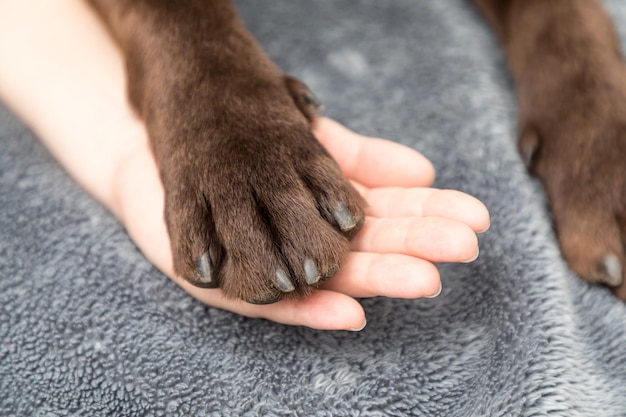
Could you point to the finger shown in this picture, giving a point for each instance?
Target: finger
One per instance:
(323, 310)
(374, 162)
(427, 202)
(431, 238)
(398, 276)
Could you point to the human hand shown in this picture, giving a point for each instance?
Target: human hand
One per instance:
(408, 226)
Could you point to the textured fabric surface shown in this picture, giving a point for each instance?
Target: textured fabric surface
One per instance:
(88, 327)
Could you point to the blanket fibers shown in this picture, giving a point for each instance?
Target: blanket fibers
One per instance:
(88, 327)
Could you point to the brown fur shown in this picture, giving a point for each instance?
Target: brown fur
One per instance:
(566, 60)
(249, 191)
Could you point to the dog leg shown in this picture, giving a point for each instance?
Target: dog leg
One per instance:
(253, 203)
(567, 64)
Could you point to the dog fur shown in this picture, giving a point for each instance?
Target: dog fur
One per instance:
(253, 203)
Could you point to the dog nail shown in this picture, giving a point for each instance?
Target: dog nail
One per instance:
(528, 145)
(611, 270)
(527, 155)
(269, 299)
(344, 219)
(204, 270)
(310, 271)
(330, 272)
(283, 282)
(311, 100)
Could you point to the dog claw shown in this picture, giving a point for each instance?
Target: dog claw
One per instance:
(344, 219)
(311, 273)
(528, 145)
(269, 299)
(528, 152)
(611, 271)
(283, 282)
(311, 100)
(204, 272)
(330, 273)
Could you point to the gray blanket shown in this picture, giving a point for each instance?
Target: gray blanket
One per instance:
(88, 327)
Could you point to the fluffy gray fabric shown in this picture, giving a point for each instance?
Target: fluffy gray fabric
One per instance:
(88, 327)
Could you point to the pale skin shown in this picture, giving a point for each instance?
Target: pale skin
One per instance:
(63, 75)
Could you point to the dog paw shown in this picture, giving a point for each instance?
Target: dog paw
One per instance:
(254, 204)
(575, 142)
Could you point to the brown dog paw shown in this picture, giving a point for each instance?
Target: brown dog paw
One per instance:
(254, 204)
(574, 140)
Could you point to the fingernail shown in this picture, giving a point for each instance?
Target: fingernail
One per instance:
(437, 294)
(359, 328)
(474, 258)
